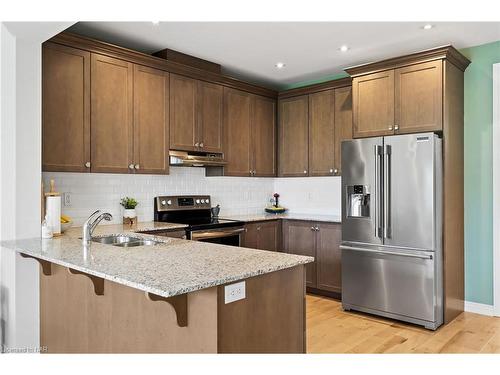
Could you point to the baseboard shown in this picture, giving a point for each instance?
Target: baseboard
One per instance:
(479, 308)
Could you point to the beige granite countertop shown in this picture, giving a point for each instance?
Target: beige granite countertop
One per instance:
(289, 216)
(169, 268)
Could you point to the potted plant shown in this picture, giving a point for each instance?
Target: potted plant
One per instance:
(129, 213)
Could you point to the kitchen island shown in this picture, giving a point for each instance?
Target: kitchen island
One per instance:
(172, 297)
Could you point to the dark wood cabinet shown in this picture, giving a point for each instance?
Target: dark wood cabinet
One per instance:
(373, 104)
(111, 115)
(249, 134)
(183, 113)
(419, 98)
(299, 237)
(264, 136)
(210, 135)
(151, 120)
(343, 123)
(328, 257)
(264, 235)
(321, 133)
(321, 241)
(65, 109)
(293, 136)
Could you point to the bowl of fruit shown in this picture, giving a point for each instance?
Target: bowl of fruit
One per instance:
(66, 223)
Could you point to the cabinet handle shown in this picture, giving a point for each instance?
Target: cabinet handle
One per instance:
(202, 145)
(197, 144)
(335, 171)
(390, 127)
(131, 166)
(313, 228)
(396, 127)
(137, 166)
(331, 170)
(258, 228)
(316, 228)
(87, 164)
(305, 172)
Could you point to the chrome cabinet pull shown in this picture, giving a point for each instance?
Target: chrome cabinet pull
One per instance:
(396, 127)
(137, 166)
(305, 172)
(335, 171)
(390, 127)
(131, 166)
(197, 144)
(202, 145)
(87, 164)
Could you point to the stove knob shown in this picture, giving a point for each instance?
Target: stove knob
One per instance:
(163, 202)
(207, 201)
(197, 201)
(203, 201)
(169, 202)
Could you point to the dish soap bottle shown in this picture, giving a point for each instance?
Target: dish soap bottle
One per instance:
(46, 229)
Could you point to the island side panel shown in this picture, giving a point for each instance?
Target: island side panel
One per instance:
(271, 318)
(73, 319)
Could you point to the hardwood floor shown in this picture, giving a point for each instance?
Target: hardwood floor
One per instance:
(331, 330)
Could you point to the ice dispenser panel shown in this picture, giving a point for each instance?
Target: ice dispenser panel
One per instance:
(358, 201)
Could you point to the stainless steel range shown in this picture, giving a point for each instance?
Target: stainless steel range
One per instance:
(392, 227)
(194, 211)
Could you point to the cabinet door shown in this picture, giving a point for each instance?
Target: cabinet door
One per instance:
(237, 125)
(329, 257)
(111, 115)
(321, 133)
(300, 238)
(264, 136)
(151, 103)
(209, 117)
(65, 108)
(373, 104)
(183, 113)
(419, 98)
(343, 122)
(269, 235)
(293, 136)
(250, 237)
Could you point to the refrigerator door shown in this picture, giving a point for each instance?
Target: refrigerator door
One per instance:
(396, 283)
(361, 188)
(411, 187)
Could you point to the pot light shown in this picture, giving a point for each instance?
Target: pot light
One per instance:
(155, 22)
(344, 48)
(428, 26)
(280, 65)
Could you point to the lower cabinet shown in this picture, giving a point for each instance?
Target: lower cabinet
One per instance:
(321, 241)
(264, 235)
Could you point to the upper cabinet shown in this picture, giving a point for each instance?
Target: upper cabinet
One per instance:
(195, 115)
(293, 136)
(65, 109)
(249, 134)
(311, 129)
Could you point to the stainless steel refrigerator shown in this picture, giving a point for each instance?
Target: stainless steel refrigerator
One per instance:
(392, 227)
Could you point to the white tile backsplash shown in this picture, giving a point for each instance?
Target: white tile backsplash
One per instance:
(236, 195)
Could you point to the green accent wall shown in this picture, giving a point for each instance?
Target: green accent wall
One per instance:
(478, 167)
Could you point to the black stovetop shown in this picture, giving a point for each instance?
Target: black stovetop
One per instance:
(202, 223)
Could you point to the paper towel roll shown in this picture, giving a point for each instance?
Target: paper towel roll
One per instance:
(53, 212)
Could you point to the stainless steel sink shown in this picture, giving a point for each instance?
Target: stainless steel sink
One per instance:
(124, 241)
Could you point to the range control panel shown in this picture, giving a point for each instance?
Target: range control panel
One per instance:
(182, 202)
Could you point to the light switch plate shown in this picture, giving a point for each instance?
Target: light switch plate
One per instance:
(234, 292)
(67, 199)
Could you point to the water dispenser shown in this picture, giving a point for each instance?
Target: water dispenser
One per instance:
(358, 201)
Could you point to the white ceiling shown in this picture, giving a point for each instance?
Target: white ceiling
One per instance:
(249, 50)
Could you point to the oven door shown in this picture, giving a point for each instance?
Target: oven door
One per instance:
(230, 236)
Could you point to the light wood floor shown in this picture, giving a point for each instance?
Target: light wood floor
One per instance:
(331, 330)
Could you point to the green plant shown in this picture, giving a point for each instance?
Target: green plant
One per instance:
(129, 203)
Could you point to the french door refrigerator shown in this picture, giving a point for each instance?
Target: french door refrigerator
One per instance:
(392, 227)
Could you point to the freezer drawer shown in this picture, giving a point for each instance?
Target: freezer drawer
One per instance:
(392, 282)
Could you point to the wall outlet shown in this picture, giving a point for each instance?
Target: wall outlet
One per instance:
(234, 292)
(67, 199)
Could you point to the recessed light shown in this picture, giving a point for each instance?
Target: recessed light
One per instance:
(344, 48)
(428, 26)
(155, 22)
(280, 65)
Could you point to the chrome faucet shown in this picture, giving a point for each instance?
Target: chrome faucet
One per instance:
(91, 223)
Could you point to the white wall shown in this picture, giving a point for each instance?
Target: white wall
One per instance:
(236, 195)
(20, 176)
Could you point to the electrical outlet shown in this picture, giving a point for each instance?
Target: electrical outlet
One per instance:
(67, 199)
(234, 292)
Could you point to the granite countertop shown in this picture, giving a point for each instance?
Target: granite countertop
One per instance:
(167, 269)
(286, 215)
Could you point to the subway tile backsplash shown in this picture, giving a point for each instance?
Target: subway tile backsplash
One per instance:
(236, 195)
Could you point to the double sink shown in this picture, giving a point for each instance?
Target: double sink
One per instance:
(124, 241)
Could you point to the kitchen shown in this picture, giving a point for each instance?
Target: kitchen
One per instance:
(195, 138)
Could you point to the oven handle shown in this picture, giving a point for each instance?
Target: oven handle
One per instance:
(196, 236)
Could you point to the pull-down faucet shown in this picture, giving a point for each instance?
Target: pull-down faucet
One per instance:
(91, 223)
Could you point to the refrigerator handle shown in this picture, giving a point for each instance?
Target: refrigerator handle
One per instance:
(387, 191)
(378, 184)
